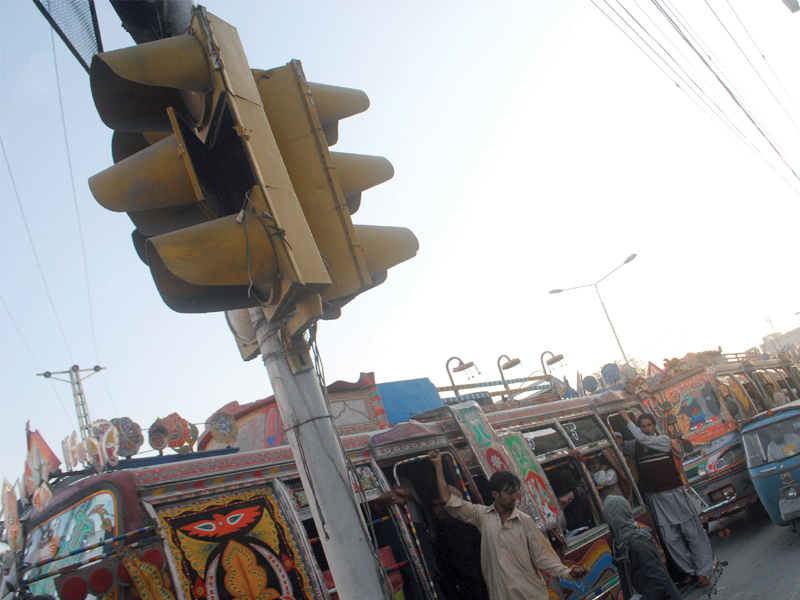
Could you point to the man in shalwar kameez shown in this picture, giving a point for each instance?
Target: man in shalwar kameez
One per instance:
(512, 547)
(665, 493)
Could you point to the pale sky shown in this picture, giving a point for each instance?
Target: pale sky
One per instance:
(534, 148)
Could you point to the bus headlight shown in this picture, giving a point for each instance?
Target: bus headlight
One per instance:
(790, 492)
(702, 472)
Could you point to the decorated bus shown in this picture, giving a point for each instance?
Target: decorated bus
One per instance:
(223, 515)
(705, 398)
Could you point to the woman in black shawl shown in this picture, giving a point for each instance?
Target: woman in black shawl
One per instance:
(641, 570)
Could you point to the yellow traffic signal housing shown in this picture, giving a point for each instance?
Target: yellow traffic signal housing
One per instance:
(217, 219)
(227, 176)
(304, 118)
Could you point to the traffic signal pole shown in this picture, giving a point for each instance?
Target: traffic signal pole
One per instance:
(312, 435)
(239, 205)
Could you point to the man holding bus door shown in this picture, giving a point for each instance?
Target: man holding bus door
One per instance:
(512, 547)
(665, 493)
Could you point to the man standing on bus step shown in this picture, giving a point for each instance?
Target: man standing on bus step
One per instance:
(665, 493)
(512, 547)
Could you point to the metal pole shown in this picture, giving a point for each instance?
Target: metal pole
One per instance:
(81, 408)
(450, 374)
(503, 377)
(612, 325)
(541, 359)
(315, 444)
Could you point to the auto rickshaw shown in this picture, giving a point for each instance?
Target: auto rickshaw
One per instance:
(772, 448)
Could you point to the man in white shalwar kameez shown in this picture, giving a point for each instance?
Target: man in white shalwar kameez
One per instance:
(665, 493)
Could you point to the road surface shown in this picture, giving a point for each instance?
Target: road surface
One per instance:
(763, 559)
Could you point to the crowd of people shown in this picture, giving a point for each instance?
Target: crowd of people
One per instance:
(497, 552)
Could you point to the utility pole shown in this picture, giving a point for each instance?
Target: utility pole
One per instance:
(81, 407)
(315, 443)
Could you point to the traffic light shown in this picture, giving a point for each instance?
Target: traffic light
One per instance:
(235, 207)
(304, 118)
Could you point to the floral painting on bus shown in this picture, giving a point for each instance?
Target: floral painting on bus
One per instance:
(533, 478)
(86, 523)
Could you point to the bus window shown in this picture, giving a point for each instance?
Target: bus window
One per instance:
(608, 475)
(785, 384)
(752, 391)
(617, 424)
(700, 407)
(544, 440)
(584, 430)
(575, 496)
(738, 404)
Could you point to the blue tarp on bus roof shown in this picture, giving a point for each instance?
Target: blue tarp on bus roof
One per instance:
(401, 399)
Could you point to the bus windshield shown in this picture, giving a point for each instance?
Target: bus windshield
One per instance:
(773, 442)
(699, 407)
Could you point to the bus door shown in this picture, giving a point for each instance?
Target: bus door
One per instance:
(510, 453)
(572, 451)
(387, 525)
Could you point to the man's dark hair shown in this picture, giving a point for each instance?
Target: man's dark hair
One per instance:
(646, 417)
(501, 480)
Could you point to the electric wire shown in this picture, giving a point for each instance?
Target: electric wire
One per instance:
(746, 102)
(78, 218)
(762, 56)
(371, 536)
(699, 42)
(718, 116)
(722, 114)
(35, 254)
(33, 357)
(718, 112)
(747, 58)
(728, 89)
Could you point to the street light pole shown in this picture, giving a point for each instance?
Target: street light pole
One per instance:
(616, 337)
(461, 366)
(509, 364)
(554, 358)
(596, 289)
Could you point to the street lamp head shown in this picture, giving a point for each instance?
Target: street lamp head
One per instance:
(553, 360)
(463, 366)
(510, 364)
(559, 291)
(627, 260)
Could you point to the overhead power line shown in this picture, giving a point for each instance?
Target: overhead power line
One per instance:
(677, 72)
(33, 357)
(78, 217)
(33, 247)
(733, 110)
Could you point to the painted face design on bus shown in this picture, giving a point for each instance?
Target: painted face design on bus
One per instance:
(223, 524)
